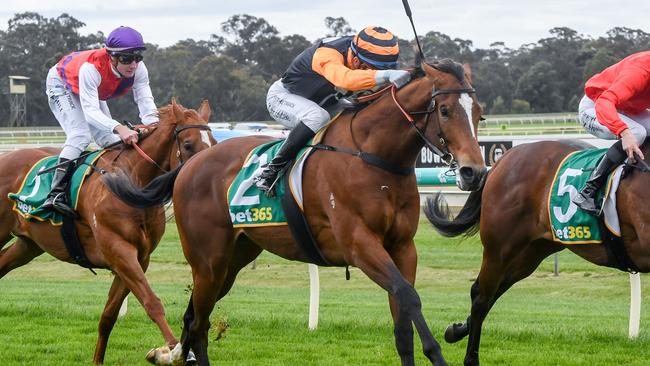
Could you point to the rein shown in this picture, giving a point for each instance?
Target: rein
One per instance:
(177, 131)
(445, 155)
(374, 160)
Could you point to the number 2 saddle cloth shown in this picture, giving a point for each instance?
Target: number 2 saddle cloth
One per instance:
(248, 205)
(570, 224)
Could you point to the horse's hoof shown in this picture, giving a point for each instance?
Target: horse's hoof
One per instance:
(191, 359)
(451, 335)
(160, 356)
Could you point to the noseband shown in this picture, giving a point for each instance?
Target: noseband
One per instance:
(442, 152)
(178, 130)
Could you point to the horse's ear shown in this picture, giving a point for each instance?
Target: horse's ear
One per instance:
(468, 72)
(428, 69)
(178, 111)
(205, 111)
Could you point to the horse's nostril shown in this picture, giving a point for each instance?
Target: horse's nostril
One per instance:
(466, 173)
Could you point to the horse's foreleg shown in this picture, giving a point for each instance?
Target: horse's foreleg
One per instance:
(379, 267)
(116, 296)
(21, 252)
(123, 260)
(405, 258)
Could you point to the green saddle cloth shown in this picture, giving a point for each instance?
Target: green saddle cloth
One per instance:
(248, 205)
(570, 224)
(35, 188)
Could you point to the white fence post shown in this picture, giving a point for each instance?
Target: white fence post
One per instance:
(314, 296)
(635, 305)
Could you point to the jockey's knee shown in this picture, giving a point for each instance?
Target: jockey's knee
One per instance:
(639, 132)
(79, 141)
(316, 119)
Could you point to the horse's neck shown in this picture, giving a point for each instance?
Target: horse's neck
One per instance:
(158, 147)
(382, 129)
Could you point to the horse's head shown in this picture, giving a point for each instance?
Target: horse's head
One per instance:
(191, 131)
(449, 123)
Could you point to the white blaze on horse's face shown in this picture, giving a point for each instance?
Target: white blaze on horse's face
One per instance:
(206, 138)
(467, 102)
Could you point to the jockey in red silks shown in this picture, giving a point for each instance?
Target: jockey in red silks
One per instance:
(77, 88)
(616, 106)
(310, 88)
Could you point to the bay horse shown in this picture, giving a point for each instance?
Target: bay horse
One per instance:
(360, 214)
(113, 235)
(511, 214)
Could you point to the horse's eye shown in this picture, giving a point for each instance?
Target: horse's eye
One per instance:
(187, 146)
(444, 111)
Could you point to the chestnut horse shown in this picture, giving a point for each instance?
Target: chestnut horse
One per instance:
(113, 235)
(511, 212)
(360, 214)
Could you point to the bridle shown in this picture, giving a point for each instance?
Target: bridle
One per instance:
(177, 131)
(374, 160)
(443, 151)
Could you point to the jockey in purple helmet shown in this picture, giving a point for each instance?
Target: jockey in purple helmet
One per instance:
(78, 87)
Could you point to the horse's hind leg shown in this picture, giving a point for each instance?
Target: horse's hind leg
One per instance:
(116, 296)
(212, 281)
(21, 252)
(498, 273)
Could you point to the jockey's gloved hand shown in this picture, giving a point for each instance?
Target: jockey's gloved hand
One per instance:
(397, 77)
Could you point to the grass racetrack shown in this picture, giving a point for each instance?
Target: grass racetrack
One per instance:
(49, 312)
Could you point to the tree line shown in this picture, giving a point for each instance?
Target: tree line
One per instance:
(234, 67)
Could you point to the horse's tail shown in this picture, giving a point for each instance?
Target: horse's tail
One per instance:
(467, 221)
(157, 192)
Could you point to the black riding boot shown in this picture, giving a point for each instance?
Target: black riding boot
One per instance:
(296, 140)
(586, 199)
(57, 198)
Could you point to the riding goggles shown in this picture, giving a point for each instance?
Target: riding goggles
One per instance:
(128, 58)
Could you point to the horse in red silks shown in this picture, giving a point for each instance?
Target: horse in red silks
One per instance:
(511, 213)
(113, 235)
(360, 200)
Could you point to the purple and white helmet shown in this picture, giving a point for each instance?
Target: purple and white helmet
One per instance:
(124, 40)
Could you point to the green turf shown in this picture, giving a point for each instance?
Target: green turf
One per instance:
(49, 312)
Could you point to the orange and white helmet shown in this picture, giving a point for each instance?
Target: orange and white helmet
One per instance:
(377, 47)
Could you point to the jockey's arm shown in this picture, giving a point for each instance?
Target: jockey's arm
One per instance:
(628, 84)
(89, 80)
(329, 63)
(143, 97)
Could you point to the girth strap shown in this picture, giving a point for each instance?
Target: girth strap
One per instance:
(73, 245)
(299, 227)
(371, 159)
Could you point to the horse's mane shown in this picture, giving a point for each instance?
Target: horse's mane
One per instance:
(451, 67)
(168, 109)
(445, 65)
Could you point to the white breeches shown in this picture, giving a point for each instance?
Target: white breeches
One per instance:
(67, 109)
(638, 124)
(291, 109)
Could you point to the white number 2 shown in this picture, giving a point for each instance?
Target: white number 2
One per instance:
(239, 199)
